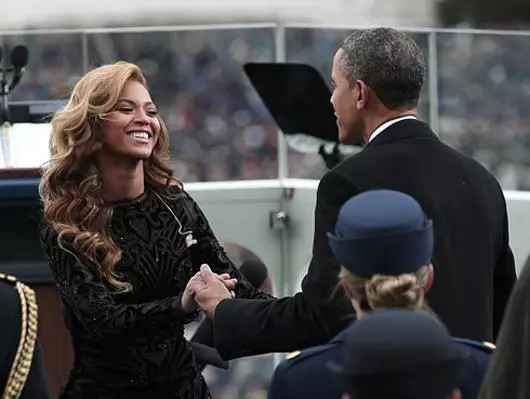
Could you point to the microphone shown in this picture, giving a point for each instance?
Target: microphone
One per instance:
(254, 271)
(19, 59)
(333, 158)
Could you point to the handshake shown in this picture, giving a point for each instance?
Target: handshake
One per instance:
(206, 289)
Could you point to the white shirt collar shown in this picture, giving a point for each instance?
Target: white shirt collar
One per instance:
(387, 124)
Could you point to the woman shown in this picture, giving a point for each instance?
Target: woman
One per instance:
(123, 238)
(385, 243)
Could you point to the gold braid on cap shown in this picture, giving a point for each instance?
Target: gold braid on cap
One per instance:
(28, 337)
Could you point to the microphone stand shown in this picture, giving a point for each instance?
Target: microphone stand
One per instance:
(4, 93)
(5, 90)
(332, 158)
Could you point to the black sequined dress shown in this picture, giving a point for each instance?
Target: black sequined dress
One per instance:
(132, 345)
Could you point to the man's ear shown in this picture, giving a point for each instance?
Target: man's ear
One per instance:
(360, 93)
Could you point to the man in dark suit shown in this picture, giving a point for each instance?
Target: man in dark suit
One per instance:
(378, 75)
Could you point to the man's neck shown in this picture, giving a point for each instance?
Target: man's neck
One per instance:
(122, 178)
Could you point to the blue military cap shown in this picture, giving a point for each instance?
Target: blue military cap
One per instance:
(382, 230)
(400, 354)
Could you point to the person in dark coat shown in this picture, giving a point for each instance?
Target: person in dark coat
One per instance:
(384, 242)
(507, 375)
(399, 354)
(378, 75)
(21, 363)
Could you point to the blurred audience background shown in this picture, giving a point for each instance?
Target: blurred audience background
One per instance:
(220, 128)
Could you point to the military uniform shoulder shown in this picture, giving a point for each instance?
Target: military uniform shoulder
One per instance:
(8, 290)
(10, 283)
(484, 346)
(292, 355)
(19, 304)
(9, 296)
(8, 278)
(14, 291)
(315, 352)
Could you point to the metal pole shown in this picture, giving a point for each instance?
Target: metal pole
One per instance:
(283, 173)
(84, 52)
(285, 284)
(433, 83)
(280, 56)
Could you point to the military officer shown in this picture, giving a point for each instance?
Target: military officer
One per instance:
(399, 354)
(385, 243)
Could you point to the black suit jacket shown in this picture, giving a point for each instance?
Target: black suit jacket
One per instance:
(474, 266)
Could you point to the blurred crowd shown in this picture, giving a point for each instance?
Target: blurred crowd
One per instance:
(221, 130)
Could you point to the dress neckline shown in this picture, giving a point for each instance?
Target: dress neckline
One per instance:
(130, 201)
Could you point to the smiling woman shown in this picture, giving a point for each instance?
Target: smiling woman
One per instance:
(123, 238)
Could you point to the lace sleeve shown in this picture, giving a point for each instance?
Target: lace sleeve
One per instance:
(209, 251)
(85, 295)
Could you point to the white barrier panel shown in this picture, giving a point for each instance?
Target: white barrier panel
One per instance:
(518, 203)
(240, 212)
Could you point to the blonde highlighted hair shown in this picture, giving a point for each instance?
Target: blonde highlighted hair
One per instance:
(70, 187)
(382, 291)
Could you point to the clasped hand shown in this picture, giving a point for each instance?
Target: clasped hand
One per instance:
(206, 289)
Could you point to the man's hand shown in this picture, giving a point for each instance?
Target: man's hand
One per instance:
(212, 290)
(197, 283)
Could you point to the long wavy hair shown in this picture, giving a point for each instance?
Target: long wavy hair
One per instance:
(71, 186)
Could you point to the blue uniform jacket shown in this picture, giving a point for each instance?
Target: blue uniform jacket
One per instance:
(305, 374)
